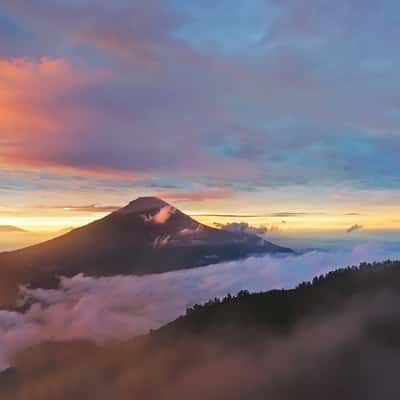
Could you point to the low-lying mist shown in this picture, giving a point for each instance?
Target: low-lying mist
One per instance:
(344, 354)
(124, 306)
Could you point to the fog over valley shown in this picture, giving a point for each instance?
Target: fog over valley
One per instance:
(100, 309)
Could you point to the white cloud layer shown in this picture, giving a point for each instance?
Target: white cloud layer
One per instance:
(244, 227)
(124, 306)
(162, 216)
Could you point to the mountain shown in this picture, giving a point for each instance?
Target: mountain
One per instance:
(11, 229)
(337, 337)
(147, 236)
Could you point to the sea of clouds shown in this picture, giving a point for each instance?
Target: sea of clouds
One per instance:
(123, 306)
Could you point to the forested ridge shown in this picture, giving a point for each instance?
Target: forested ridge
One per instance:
(335, 337)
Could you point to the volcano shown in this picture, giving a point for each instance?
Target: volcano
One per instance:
(147, 236)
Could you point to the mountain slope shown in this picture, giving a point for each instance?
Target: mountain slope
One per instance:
(146, 236)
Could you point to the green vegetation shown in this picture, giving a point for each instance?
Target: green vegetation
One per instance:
(281, 309)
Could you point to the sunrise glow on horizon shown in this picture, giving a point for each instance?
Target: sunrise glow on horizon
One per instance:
(289, 222)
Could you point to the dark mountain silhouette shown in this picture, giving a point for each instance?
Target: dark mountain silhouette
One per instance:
(147, 236)
(336, 337)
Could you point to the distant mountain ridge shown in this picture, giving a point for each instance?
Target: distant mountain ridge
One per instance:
(146, 236)
(11, 228)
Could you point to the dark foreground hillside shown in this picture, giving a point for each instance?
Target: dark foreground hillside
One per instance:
(335, 338)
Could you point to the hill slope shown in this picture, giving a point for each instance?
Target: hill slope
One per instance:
(337, 337)
(147, 236)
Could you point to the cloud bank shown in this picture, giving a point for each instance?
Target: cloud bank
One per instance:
(124, 306)
(243, 227)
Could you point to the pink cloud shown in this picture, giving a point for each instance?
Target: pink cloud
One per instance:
(34, 121)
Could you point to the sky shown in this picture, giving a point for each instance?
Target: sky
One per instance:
(277, 112)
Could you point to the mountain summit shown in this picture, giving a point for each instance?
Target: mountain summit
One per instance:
(146, 236)
(143, 204)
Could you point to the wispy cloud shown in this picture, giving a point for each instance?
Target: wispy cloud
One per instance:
(197, 196)
(243, 227)
(95, 208)
(266, 215)
(355, 227)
